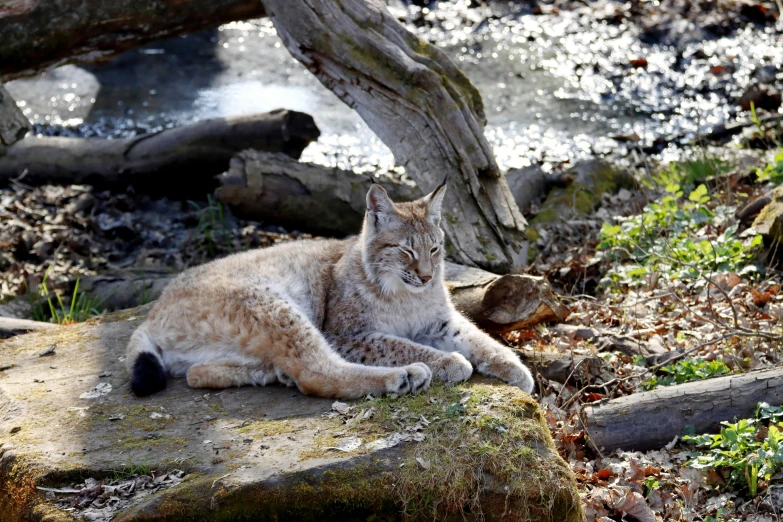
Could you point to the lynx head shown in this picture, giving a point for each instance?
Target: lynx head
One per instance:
(403, 242)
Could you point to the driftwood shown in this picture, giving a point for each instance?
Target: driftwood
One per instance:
(35, 34)
(302, 196)
(10, 326)
(13, 124)
(496, 303)
(652, 419)
(503, 303)
(562, 367)
(176, 162)
(420, 105)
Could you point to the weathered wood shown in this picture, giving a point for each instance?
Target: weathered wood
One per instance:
(13, 124)
(562, 367)
(178, 162)
(302, 196)
(420, 105)
(11, 326)
(503, 303)
(652, 419)
(35, 34)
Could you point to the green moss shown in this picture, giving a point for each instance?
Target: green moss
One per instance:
(494, 435)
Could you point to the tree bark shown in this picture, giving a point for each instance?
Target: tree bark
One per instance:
(652, 419)
(302, 196)
(179, 162)
(13, 124)
(35, 34)
(422, 106)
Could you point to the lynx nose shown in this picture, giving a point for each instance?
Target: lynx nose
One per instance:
(425, 279)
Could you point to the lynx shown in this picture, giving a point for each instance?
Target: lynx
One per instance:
(367, 315)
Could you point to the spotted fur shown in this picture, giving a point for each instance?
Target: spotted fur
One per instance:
(336, 318)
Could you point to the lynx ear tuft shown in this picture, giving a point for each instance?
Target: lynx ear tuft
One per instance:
(434, 202)
(379, 205)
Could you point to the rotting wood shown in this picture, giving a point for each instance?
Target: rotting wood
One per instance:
(420, 105)
(654, 418)
(503, 303)
(179, 162)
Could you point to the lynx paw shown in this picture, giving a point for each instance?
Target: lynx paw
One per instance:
(413, 379)
(510, 370)
(452, 367)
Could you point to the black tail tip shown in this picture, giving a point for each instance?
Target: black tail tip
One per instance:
(148, 375)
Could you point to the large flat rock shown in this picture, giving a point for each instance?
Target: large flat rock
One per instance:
(68, 420)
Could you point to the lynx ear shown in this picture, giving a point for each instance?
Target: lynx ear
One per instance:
(434, 201)
(379, 206)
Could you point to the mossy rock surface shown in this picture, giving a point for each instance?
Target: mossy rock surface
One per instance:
(267, 453)
(592, 179)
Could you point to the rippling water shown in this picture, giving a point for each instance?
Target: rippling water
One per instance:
(555, 87)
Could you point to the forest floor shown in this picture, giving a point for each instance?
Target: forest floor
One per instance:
(670, 265)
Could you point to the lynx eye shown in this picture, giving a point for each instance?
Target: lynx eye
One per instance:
(434, 250)
(408, 252)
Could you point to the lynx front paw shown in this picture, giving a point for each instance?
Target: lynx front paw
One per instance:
(452, 367)
(413, 379)
(510, 370)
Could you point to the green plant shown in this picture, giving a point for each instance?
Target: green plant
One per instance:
(749, 450)
(80, 308)
(686, 371)
(212, 227)
(669, 238)
(719, 518)
(132, 469)
(772, 171)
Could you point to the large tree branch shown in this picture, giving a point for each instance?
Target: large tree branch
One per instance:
(421, 106)
(35, 34)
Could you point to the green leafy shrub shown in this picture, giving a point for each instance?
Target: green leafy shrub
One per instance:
(686, 371)
(749, 450)
(670, 238)
(773, 171)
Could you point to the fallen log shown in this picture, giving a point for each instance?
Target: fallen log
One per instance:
(13, 124)
(652, 419)
(11, 326)
(35, 34)
(303, 196)
(496, 303)
(179, 162)
(503, 303)
(562, 367)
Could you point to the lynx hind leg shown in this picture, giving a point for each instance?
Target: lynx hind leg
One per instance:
(302, 353)
(227, 375)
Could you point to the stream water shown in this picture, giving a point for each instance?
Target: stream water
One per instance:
(555, 86)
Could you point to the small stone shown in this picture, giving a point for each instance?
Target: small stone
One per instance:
(16, 429)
